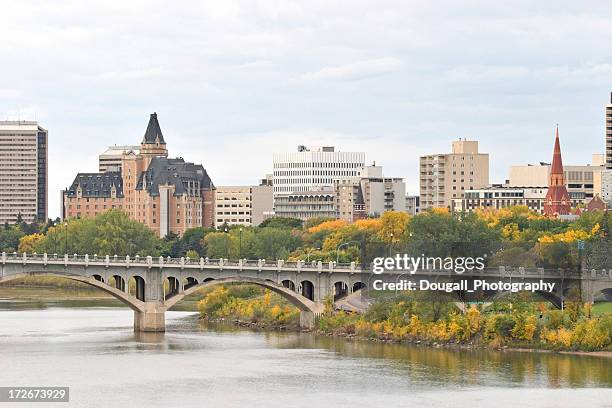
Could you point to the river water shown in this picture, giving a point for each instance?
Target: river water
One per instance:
(93, 350)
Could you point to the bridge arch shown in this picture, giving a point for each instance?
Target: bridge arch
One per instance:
(133, 303)
(299, 301)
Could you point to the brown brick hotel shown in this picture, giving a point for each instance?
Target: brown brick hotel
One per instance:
(168, 195)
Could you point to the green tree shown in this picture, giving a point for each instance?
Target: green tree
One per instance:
(281, 222)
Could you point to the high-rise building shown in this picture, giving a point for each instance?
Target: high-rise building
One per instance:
(445, 177)
(313, 169)
(609, 134)
(23, 172)
(111, 159)
(557, 201)
(168, 195)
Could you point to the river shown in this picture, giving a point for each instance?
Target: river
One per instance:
(90, 347)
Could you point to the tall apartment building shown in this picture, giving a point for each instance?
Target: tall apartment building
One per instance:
(369, 194)
(609, 134)
(23, 171)
(445, 177)
(313, 169)
(169, 195)
(112, 157)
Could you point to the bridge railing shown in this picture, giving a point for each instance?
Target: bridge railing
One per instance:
(514, 272)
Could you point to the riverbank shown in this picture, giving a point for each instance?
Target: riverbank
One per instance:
(514, 323)
(263, 327)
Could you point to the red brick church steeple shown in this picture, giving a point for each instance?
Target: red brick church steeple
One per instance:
(557, 201)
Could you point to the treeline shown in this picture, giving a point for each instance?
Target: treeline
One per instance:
(510, 237)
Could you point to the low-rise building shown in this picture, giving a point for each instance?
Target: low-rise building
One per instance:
(412, 205)
(233, 205)
(369, 194)
(497, 197)
(306, 204)
(580, 181)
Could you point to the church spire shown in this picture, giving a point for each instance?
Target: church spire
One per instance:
(557, 162)
(557, 201)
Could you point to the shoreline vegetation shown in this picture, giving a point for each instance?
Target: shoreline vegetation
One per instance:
(514, 323)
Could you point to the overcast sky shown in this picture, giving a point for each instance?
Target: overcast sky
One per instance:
(232, 82)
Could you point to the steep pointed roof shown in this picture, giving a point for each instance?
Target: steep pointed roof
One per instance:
(153, 133)
(557, 163)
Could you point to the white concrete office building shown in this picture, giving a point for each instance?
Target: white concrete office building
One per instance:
(313, 169)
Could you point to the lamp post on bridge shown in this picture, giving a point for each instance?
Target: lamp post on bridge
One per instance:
(226, 230)
(54, 237)
(240, 245)
(66, 238)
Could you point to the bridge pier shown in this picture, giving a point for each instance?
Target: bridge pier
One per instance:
(153, 319)
(307, 319)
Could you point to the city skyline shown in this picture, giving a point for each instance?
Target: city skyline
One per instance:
(235, 83)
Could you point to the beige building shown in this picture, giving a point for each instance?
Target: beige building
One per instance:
(446, 176)
(23, 172)
(262, 201)
(580, 181)
(501, 197)
(111, 159)
(233, 205)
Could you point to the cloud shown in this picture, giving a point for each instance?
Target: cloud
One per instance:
(354, 71)
(234, 81)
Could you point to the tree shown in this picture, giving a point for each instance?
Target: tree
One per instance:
(117, 234)
(9, 238)
(29, 243)
(110, 233)
(393, 227)
(281, 222)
